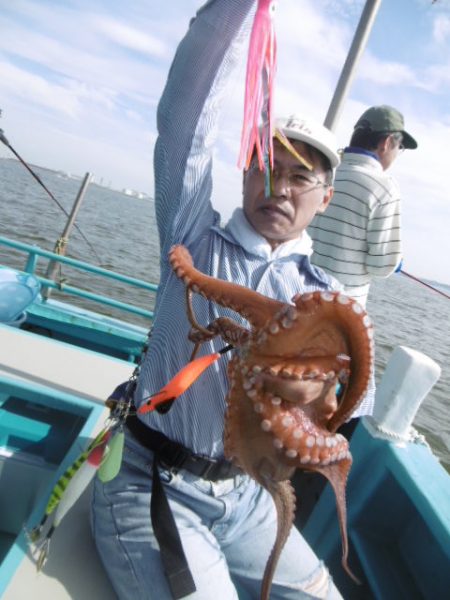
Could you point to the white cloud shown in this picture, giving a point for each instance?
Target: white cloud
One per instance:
(437, 77)
(26, 85)
(130, 37)
(310, 41)
(386, 73)
(441, 29)
(345, 7)
(55, 48)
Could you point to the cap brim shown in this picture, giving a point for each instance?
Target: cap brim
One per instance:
(408, 141)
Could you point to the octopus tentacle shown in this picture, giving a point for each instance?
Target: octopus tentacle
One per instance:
(284, 499)
(331, 319)
(356, 326)
(205, 332)
(226, 328)
(253, 306)
(337, 475)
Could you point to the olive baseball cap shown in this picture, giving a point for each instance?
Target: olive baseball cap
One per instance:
(384, 118)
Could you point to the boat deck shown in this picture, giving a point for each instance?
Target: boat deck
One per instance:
(44, 383)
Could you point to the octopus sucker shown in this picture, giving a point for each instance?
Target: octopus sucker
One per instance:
(342, 299)
(282, 408)
(286, 323)
(292, 313)
(274, 328)
(266, 425)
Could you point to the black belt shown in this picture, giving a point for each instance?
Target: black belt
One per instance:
(174, 456)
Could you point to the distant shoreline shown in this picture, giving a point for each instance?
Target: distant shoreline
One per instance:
(129, 192)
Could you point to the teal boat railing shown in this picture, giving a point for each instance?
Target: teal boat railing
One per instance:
(34, 253)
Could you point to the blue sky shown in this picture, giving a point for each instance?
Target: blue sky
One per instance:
(80, 82)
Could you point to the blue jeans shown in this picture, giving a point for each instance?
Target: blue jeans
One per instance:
(227, 530)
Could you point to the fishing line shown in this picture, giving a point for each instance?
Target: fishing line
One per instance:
(425, 284)
(39, 180)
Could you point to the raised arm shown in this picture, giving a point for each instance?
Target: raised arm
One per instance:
(187, 119)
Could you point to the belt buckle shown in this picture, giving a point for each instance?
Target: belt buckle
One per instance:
(175, 461)
(208, 468)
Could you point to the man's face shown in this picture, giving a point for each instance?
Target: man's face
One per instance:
(297, 195)
(388, 150)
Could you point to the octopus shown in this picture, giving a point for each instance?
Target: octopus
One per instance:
(298, 373)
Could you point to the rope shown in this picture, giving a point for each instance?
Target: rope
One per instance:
(425, 284)
(412, 436)
(60, 245)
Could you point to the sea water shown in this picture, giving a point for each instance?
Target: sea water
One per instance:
(122, 236)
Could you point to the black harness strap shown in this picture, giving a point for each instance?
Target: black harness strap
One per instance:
(176, 568)
(174, 456)
(179, 576)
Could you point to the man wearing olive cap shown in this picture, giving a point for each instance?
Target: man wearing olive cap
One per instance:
(358, 237)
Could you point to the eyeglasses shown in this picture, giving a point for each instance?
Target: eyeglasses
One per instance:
(298, 179)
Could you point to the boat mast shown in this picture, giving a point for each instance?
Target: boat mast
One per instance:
(348, 70)
(61, 243)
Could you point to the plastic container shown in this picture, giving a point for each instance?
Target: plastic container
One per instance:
(17, 291)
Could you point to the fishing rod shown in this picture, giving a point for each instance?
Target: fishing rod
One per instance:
(354, 55)
(425, 284)
(41, 183)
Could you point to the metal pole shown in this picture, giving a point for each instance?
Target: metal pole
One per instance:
(61, 243)
(348, 70)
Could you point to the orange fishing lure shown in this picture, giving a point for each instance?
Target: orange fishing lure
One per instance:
(181, 381)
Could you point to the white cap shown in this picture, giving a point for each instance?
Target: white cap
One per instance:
(296, 127)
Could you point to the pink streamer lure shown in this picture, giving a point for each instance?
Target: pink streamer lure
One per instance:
(261, 69)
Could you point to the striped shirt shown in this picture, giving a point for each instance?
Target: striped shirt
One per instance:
(187, 124)
(358, 236)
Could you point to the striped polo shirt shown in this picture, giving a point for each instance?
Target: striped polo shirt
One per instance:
(358, 237)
